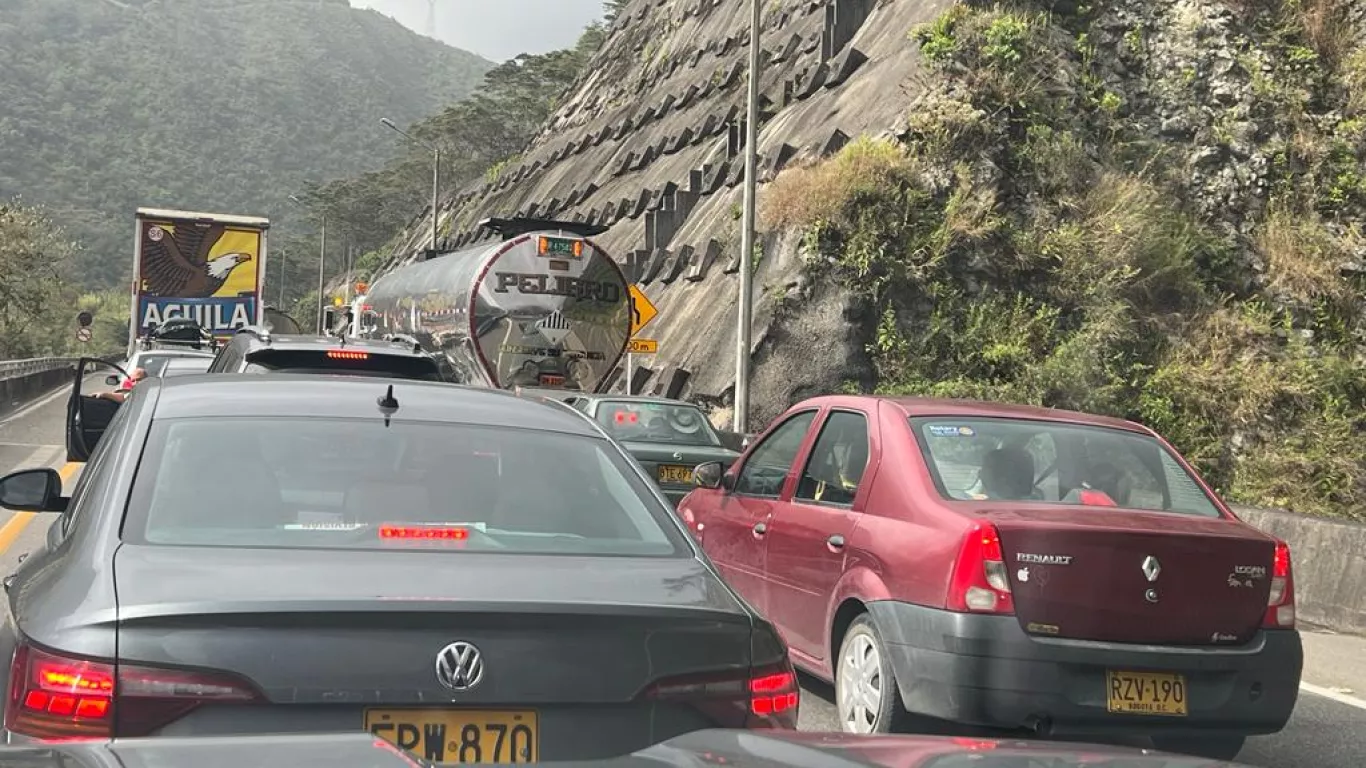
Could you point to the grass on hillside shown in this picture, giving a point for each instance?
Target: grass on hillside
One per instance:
(1025, 243)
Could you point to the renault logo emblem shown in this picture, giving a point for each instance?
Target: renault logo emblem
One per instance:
(459, 666)
(1151, 568)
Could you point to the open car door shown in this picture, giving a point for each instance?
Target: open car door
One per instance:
(87, 416)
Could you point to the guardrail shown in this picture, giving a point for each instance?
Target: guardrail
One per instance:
(22, 381)
(13, 368)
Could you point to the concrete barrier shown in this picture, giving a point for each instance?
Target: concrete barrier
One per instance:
(16, 391)
(1329, 560)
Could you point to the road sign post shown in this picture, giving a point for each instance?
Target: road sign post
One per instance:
(642, 312)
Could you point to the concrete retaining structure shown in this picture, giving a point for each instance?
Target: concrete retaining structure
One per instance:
(18, 390)
(1329, 561)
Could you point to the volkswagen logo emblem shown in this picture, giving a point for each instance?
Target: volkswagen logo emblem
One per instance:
(459, 666)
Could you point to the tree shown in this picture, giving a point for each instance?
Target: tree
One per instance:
(35, 297)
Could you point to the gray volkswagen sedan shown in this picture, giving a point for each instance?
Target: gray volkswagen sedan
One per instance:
(470, 575)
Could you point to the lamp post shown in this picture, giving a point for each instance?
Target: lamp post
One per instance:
(747, 234)
(322, 256)
(436, 168)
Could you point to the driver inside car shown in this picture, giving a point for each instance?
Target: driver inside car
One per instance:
(1007, 474)
(121, 393)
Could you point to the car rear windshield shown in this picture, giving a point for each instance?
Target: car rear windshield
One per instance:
(672, 423)
(358, 484)
(358, 361)
(1042, 461)
(152, 364)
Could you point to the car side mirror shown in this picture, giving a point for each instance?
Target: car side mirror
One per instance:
(32, 490)
(728, 479)
(707, 475)
(112, 380)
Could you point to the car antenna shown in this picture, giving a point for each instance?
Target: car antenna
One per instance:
(388, 404)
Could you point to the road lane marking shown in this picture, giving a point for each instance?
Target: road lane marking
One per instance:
(16, 525)
(1318, 690)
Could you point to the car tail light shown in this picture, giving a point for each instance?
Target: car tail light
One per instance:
(764, 695)
(347, 354)
(979, 583)
(748, 698)
(56, 698)
(1280, 610)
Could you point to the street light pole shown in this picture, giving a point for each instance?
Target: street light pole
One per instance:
(322, 257)
(744, 322)
(436, 169)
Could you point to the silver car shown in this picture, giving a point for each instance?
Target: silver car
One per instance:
(472, 575)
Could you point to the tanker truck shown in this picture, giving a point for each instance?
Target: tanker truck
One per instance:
(543, 306)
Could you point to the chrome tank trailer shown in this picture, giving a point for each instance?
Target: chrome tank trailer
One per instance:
(545, 307)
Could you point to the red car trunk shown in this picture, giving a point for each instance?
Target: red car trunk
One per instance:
(1135, 577)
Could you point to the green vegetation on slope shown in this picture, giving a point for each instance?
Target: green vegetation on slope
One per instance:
(217, 105)
(477, 137)
(1029, 241)
(38, 301)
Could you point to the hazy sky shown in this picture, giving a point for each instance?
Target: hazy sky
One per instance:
(496, 29)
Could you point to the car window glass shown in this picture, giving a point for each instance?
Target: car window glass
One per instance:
(769, 462)
(1055, 462)
(837, 460)
(357, 484)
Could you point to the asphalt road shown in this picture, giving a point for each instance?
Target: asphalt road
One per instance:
(1328, 729)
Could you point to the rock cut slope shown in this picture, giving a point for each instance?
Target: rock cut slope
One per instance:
(649, 143)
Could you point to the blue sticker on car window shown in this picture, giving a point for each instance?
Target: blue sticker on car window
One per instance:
(944, 430)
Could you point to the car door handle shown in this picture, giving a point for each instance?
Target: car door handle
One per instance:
(760, 529)
(835, 542)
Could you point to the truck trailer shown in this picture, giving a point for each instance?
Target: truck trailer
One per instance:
(542, 307)
(206, 267)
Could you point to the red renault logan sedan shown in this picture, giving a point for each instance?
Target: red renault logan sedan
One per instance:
(1006, 567)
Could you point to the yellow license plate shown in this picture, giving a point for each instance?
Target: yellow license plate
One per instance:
(675, 474)
(1146, 693)
(459, 735)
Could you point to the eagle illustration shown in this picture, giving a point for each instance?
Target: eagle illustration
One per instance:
(178, 264)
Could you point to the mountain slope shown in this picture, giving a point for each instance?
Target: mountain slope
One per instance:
(203, 104)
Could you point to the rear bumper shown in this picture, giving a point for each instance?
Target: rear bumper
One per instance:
(986, 671)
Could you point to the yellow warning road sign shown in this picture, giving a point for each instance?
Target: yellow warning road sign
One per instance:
(642, 346)
(642, 311)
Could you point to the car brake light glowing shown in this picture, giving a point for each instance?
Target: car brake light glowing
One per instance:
(772, 694)
(347, 354)
(55, 698)
(449, 533)
(624, 417)
(764, 698)
(979, 583)
(1280, 611)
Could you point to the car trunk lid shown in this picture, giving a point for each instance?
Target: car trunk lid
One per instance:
(1107, 574)
(361, 627)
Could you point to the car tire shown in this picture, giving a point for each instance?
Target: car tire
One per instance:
(867, 699)
(1211, 747)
